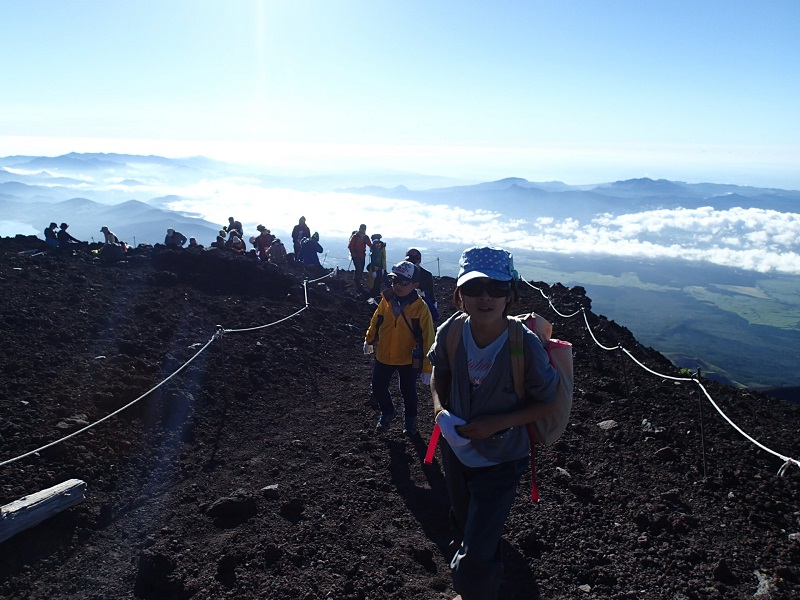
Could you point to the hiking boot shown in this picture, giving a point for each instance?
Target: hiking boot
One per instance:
(385, 420)
(410, 428)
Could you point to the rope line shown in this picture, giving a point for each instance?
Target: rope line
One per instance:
(788, 461)
(257, 327)
(217, 335)
(116, 412)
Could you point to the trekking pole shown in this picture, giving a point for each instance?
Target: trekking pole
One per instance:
(702, 429)
(438, 268)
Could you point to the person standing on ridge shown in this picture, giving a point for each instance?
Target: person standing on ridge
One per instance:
(414, 256)
(174, 239)
(400, 333)
(358, 252)
(486, 447)
(299, 232)
(234, 225)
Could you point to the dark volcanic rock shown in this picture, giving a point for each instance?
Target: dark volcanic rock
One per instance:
(256, 471)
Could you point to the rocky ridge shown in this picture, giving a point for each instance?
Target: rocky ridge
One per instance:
(257, 472)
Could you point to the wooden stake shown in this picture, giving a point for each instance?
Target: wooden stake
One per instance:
(31, 510)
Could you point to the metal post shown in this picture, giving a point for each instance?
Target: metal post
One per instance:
(702, 429)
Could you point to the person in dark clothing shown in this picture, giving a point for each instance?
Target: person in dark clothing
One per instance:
(426, 289)
(299, 232)
(65, 240)
(50, 236)
(234, 225)
(310, 249)
(220, 241)
(263, 242)
(174, 239)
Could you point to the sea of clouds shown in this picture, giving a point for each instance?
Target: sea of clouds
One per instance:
(748, 238)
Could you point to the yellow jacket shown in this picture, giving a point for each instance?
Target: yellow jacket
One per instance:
(392, 336)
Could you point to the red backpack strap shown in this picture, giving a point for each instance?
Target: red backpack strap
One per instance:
(437, 431)
(451, 344)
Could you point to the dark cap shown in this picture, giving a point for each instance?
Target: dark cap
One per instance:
(413, 255)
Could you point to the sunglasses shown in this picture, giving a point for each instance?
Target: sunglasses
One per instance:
(400, 281)
(495, 289)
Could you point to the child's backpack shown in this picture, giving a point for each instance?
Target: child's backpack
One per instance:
(545, 431)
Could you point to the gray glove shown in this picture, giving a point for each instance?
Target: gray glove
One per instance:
(368, 349)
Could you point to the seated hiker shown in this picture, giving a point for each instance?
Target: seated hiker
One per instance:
(277, 252)
(220, 241)
(174, 239)
(193, 244)
(65, 240)
(50, 235)
(310, 250)
(237, 244)
(377, 266)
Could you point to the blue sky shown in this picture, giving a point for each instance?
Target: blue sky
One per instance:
(580, 92)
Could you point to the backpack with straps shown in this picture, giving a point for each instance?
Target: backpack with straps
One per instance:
(545, 431)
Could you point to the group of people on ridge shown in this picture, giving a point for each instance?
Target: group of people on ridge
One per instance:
(485, 447)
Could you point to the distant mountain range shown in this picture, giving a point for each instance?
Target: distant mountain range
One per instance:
(523, 199)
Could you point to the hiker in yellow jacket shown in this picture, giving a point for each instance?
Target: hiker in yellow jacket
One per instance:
(402, 330)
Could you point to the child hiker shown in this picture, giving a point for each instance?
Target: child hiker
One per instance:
(402, 330)
(486, 448)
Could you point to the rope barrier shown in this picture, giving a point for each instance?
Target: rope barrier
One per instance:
(116, 412)
(217, 336)
(787, 461)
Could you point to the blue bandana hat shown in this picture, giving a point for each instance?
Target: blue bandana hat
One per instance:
(493, 263)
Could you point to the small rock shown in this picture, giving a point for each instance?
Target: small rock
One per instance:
(722, 573)
(608, 424)
(667, 454)
(271, 491)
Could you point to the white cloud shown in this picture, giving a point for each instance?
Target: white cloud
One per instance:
(755, 239)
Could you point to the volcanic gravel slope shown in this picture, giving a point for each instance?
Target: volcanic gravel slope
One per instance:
(256, 472)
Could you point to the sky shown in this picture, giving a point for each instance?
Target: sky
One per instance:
(576, 91)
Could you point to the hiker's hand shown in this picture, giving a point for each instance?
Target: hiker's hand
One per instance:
(447, 423)
(480, 428)
(425, 378)
(368, 348)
